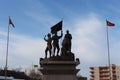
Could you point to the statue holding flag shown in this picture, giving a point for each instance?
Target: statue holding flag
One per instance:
(57, 27)
(55, 39)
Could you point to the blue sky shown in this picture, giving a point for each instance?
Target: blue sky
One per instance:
(85, 20)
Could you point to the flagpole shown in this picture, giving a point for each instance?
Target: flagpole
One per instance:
(7, 52)
(108, 53)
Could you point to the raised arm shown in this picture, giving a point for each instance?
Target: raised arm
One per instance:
(61, 34)
(45, 38)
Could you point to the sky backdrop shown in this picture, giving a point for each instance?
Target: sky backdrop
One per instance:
(85, 19)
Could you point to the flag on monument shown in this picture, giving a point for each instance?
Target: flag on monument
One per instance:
(10, 22)
(56, 27)
(108, 23)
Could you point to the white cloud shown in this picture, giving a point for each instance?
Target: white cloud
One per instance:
(23, 50)
(87, 36)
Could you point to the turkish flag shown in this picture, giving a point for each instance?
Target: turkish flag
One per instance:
(108, 23)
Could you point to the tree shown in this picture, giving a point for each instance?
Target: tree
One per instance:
(35, 75)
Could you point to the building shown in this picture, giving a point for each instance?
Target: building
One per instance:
(103, 72)
(13, 75)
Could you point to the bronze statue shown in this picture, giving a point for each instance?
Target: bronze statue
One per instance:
(55, 39)
(66, 54)
(49, 46)
(67, 41)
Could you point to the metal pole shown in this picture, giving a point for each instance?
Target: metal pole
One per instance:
(108, 53)
(7, 52)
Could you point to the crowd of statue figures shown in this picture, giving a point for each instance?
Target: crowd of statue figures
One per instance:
(53, 44)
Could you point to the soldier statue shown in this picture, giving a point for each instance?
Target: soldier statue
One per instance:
(55, 39)
(49, 46)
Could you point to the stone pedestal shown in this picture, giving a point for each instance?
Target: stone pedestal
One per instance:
(59, 70)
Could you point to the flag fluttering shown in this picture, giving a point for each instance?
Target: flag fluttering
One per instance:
(56, 27)
(6, 65)
(10, 22)
(108, 23)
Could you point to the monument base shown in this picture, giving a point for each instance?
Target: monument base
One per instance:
(59, 70)
(59, 77)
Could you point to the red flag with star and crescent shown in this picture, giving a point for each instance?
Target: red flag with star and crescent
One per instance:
(108, 23)
(10, 22)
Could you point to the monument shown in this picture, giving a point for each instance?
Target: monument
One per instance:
(61, 66)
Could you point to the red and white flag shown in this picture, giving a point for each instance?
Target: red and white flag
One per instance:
(10, 22)
(108, 23)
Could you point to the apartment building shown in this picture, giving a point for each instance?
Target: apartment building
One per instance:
(104, 72)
